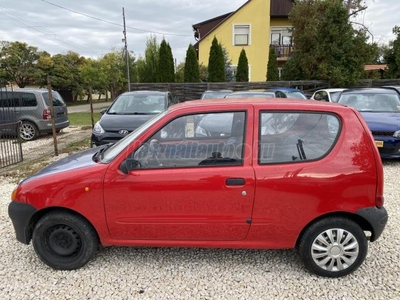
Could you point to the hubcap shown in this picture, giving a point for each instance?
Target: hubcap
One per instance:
(27, 132)
(335, 250)
(64, 240)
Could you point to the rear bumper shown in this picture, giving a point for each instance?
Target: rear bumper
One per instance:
(21, 215)
(376, 217)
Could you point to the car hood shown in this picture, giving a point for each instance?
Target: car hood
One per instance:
(382, 121)
(77, 160)
(111, 122)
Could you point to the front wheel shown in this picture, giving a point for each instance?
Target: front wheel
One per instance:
(64, 241)
(333, 247)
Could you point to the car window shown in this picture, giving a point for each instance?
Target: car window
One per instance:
(297, 95)
(57, 99)
(178, 144)
(371, 102)
(138, 104)
(335, 96)
(28, 100)
(293, 137)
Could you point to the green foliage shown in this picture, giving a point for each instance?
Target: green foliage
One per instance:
(192, 73)
(229, 75)
(272, 69)
(166, 66)
(82, 119)
(327, 46)
(18, 62)
(216, 63)
(392, 55)
(242, 73)
(148, 66)
(112, 68)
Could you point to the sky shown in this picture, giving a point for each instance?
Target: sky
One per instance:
(93, 28)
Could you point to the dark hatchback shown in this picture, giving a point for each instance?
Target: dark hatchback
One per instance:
(381, 110)
(129, 111)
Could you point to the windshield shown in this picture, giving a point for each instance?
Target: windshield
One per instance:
(132, 103)
(371, 102)
(115, 149)
(57, 99)
(335, 96)
(297, 95)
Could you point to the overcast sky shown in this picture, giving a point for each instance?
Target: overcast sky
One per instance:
(93, 27)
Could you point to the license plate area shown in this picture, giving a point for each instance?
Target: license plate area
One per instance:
(379, 144)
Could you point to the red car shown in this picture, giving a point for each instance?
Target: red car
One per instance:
(287, 174)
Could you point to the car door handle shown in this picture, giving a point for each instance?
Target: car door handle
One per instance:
(235, 181)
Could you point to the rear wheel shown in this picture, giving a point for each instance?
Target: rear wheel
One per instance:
(28, 131)
(64, 241)
(333, 247)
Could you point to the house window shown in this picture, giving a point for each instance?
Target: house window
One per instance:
(281, 36)
(241, 35)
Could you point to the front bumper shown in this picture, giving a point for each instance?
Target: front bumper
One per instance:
(21, 215)
(376, 217)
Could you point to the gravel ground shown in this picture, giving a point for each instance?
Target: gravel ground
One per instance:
(183, 273)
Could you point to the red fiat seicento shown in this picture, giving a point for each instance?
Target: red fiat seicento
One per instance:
(240, 173)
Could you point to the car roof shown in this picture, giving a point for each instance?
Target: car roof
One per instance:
(331, 90)
(284, 89)
(370, 91)
(278, 103)
(24, 90)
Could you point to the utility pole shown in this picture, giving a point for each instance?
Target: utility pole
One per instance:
(126, 51)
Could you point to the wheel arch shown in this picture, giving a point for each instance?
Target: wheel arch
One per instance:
(41, 213)
(365, 226)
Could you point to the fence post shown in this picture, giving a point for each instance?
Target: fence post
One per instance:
(53, 123)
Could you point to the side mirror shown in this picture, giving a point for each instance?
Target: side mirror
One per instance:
(103, 111)
(124, 167)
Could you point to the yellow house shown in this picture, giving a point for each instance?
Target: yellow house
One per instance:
(255, 27)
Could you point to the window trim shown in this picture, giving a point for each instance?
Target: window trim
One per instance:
(234, 34)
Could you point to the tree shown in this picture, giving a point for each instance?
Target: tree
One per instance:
(166, 66)
(326, 44)
(229, 74)
(148, 66)
(191, 73)
(112, 67)
(216, 63)
(242, 72)
(392, 55)
(272, 69)
(18, 62)
(65, 74)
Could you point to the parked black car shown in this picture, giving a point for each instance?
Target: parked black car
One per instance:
(129, 111)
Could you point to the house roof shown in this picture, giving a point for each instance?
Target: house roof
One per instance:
(222, 19)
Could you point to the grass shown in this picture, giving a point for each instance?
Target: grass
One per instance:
(82, 119)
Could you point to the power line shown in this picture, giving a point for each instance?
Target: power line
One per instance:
(20, 21)
(112, 23)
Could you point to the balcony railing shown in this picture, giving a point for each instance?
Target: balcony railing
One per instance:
(283, 52)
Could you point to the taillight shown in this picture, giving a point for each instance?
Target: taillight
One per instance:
(46, 114)
(379, 201)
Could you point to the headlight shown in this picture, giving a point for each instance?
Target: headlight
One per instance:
(397, 134)
(97, 129)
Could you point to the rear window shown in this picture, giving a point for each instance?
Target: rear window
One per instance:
(294, 137)
(57, 99)
(371, 102)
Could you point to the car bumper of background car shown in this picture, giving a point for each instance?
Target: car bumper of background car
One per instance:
(105, 138)
(388, 147)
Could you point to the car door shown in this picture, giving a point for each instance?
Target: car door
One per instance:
(191, 190)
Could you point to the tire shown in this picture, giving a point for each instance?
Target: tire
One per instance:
(333, 247)
(64, 241)
(28, 131)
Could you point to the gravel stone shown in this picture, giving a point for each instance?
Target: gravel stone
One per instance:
(190, 273)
